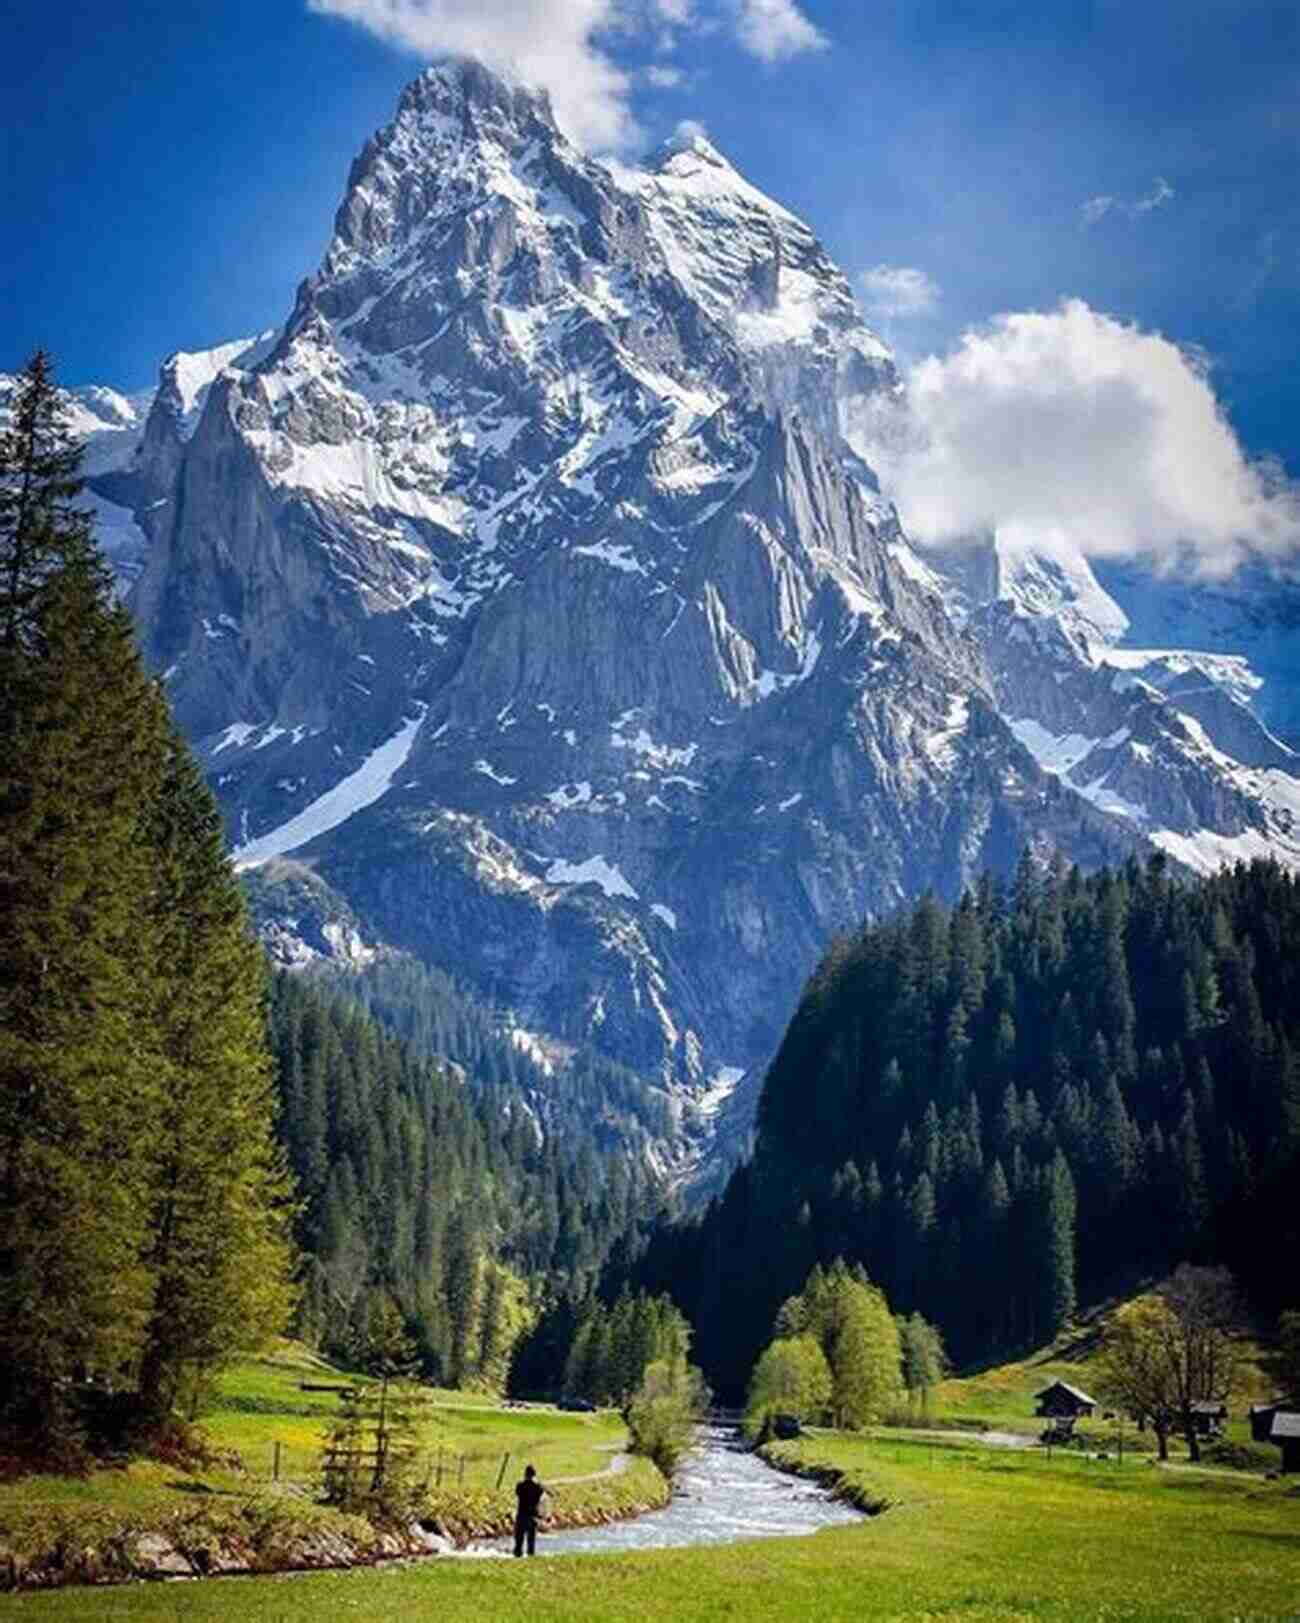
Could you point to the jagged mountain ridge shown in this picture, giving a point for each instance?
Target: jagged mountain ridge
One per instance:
(527, 587)
(538, 527)
(1174, 741)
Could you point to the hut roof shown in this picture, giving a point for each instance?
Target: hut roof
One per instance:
(1291, 1404)
(1064, 1386)
(1207, 1407)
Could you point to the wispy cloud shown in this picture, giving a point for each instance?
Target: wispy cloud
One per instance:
(564, 46)
(1095, 209)
(1161, 193)
(891, 291)
(1070, 423)
(773, 30)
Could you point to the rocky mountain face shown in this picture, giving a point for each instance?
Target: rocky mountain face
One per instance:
(1174, 741)
(527, 589)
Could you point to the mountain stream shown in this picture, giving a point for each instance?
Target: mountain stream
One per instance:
(722, 1494)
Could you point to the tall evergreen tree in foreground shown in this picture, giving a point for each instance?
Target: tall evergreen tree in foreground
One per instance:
(78, 737)
(140, 1234)
(217, 1224)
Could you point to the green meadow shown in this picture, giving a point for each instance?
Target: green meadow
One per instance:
(970, 1533)
(266, 1429)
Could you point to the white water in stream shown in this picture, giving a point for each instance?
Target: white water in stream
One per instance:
(723, 1494)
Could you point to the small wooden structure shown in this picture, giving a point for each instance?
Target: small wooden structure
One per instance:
(1286, 1434)
(1061, 1401)
(1262, 1416)
(1208, 1418)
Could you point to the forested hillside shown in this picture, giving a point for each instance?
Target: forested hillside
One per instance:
(1009, 1106)
(569, 1088)
(442, 1194)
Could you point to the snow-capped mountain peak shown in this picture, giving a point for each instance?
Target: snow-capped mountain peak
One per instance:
(528, 588)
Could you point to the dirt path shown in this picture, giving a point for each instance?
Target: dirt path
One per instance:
(990, 1439)
(615, 1468)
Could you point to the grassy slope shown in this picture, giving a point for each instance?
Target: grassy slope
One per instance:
(1002, 1398)
(974, 1534)
(261, 1402)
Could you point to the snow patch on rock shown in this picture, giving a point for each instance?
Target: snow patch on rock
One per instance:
(369, 783)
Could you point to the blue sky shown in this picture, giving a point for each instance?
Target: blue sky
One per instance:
(171, 172)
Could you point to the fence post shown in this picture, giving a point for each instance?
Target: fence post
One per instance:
(276, 1469)
(505, 1460)
(460, 1481)
(439, 1464)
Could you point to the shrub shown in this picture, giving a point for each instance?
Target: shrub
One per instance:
(664, 1412)
(1240, 1456)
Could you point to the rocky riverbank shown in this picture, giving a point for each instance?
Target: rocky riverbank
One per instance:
(218, 1536)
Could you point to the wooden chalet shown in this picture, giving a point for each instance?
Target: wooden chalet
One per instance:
(1208, 1418)
(1061, 1401)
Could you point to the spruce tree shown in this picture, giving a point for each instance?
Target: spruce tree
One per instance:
(219, 1251)
(42, 530)
(80, 748)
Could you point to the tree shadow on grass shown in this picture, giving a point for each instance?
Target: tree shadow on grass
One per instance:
(192, 1485)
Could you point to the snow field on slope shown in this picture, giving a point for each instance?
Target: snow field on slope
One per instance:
(369, 783)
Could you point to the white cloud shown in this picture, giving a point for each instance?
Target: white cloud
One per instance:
(1097, 208)
(551, 43)
(898, 290)
(663, 78)
(690, 129)
(563, 45)
(1161, 192)
(1070, 424)
(775, 29)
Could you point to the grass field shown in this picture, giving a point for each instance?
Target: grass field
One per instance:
(261, 1402)
(466, 1445)
(1002, 1398)
(973, 1534)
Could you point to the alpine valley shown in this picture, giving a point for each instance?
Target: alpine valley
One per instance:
(537, 615)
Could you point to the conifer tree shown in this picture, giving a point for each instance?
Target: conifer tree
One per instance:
(42, 530)
(80, 735)
(219, 1252)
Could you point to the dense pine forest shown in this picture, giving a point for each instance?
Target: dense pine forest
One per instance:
(1010, 1106)
(433, 1191)
(576, 1091)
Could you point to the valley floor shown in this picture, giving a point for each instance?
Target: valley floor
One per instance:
(971, 1533)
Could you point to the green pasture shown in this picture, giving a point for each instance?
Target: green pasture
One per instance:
(262, 1402)
(972, 1533)
(1001, 1398)
(261, 1413)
